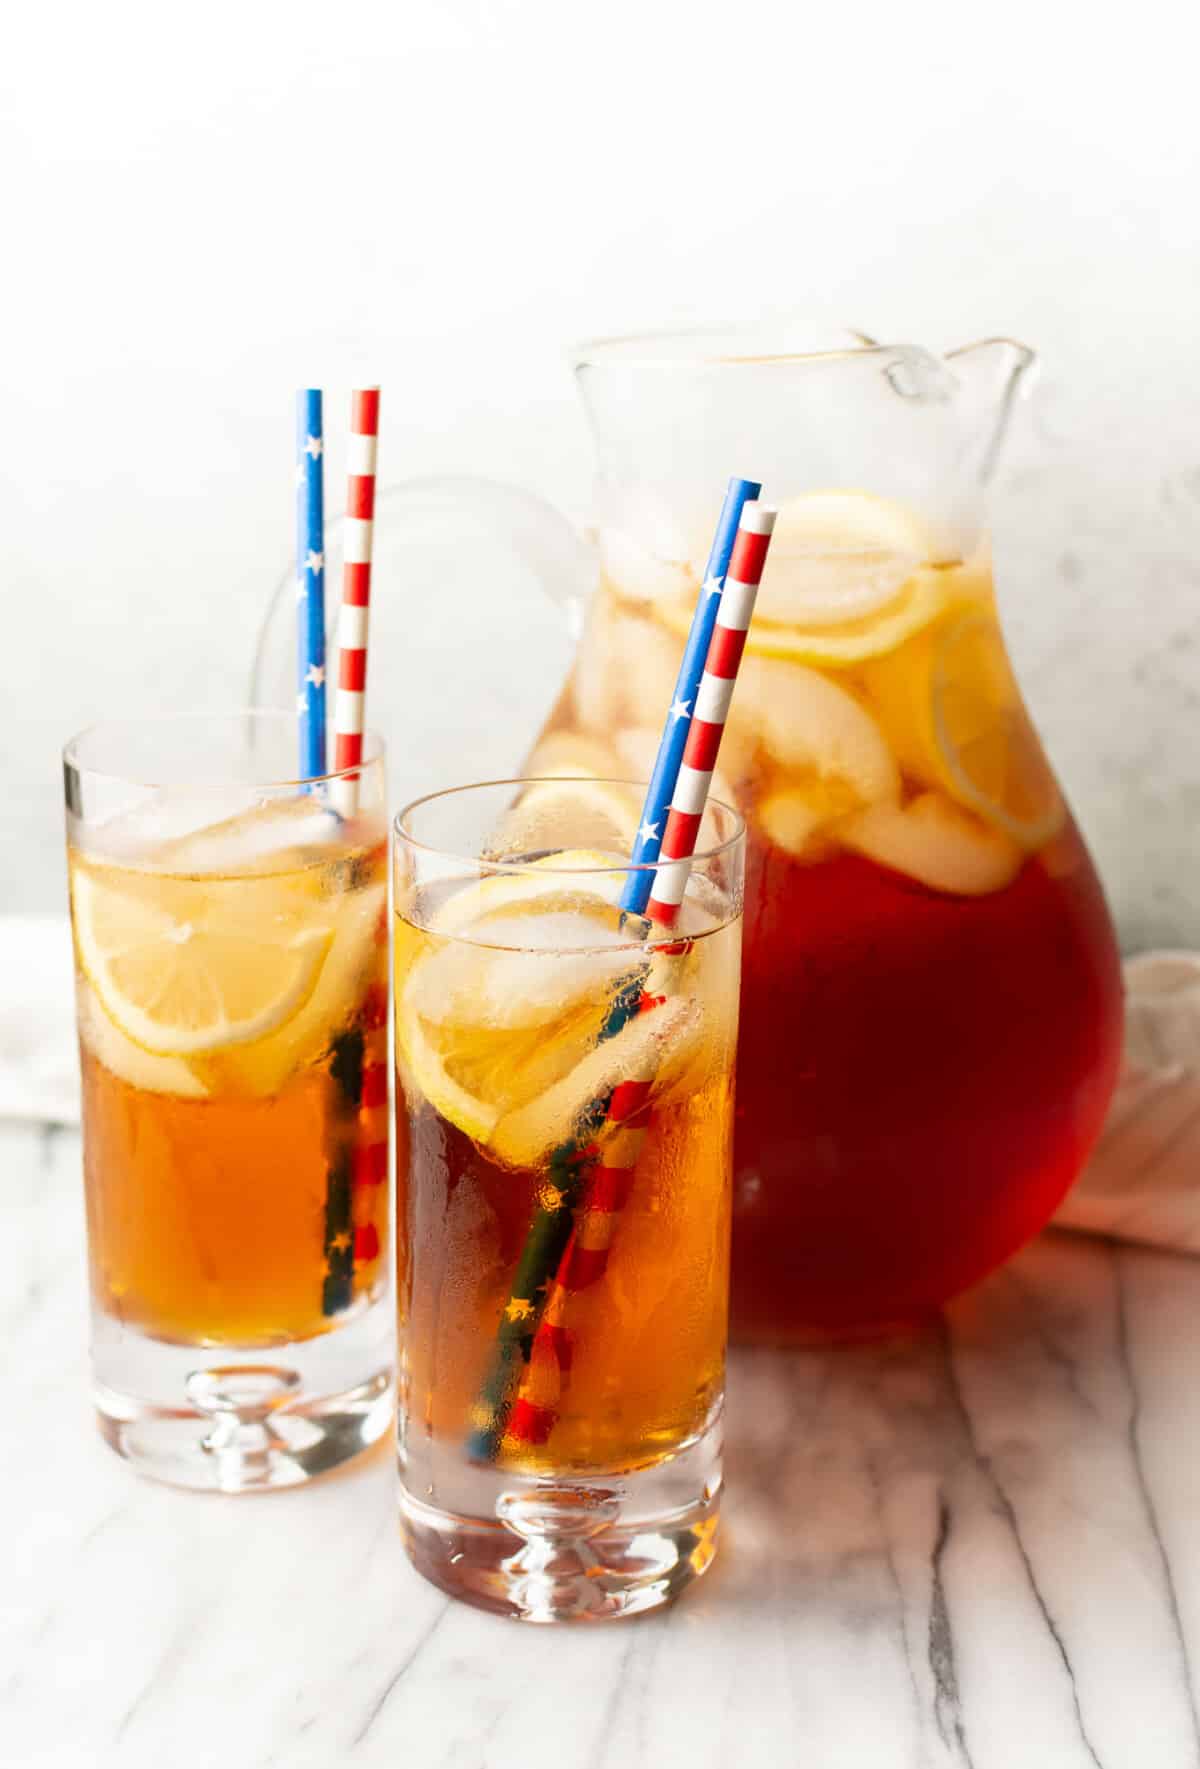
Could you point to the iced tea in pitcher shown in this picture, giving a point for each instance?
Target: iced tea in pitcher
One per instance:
(930, 1014)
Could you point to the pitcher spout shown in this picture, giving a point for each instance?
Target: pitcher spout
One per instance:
(991, 374)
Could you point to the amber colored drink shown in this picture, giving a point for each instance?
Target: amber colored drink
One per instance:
(564, 1139)
(931, 1016)
(648, 1339)
(232, 1010)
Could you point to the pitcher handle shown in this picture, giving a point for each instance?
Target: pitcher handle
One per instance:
(563, 560)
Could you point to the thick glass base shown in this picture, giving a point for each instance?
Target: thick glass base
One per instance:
(580, 1548)
(217, 1420)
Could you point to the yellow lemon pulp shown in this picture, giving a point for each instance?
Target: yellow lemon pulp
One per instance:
(954, 715)
(594, 811)
(501, 1001)
(993, 759)
(485, 1026)
(936, 842)
(184, 966)
(849, 576)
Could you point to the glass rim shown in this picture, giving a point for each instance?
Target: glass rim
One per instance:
(373, 750)
(542, 866)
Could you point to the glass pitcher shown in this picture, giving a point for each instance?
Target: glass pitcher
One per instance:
(931, 1003)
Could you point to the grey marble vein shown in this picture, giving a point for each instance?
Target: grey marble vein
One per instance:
(1148, 1502)
(966, 1550)
(947, 1707)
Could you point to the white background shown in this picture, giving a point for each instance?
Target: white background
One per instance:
(206, 206)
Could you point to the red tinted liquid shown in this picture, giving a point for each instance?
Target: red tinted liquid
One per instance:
(920, 1077)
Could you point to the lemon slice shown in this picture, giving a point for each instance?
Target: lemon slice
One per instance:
(937, 843)
(433, 1080)
(954, 715)
(502, 1004)
(573, 753)
(808, 724)
(840, 556)
(128, 1061)
(182, 967)
(474, 1073)
(920, 601)
(660, 1043)
(262, 1067)
(538, 885)
(793, 819)
(483, 1029)
(576, 807)
(989, 751)
(848, 577)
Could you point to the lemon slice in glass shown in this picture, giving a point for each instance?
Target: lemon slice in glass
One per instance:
(184, 967)
(492, 1018)
(661, 1041)
(545, 884)
(573, 806)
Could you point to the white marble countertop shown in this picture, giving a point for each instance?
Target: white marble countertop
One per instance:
(978, 1549)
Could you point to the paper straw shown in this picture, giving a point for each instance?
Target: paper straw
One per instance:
(358, 537)
(593, 1174)
(310, 580)
(670, 750)
(708, 719)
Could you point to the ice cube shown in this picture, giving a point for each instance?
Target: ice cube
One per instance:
(643, 546)
(639, 573)
(466, 986)
(218, 830)
(167, 815)
(271, 829)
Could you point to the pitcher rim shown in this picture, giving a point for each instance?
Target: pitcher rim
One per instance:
(590, 352)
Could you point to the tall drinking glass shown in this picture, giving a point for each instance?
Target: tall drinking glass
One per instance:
(230, 934)
(564, 1131)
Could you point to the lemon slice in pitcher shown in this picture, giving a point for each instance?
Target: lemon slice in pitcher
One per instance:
(990, 755)
(848, 577)
(182, 968)
(937, 843)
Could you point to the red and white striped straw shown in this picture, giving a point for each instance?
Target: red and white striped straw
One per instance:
(712, 705)
(358, 537)
(536, 1408)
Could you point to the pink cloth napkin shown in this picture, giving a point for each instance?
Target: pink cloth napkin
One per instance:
(1143, 1182)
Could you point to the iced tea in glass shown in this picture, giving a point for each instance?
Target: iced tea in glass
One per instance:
(231, 958)
(565, 1118)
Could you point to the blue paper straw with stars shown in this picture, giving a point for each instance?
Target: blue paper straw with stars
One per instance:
(310, 579)
(670, 751)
